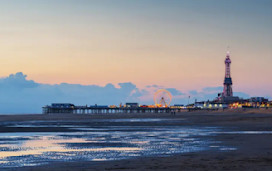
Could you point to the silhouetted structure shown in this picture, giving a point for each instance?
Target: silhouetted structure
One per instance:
(228, 81)
(227, 95)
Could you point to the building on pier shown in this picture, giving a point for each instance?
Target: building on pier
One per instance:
(132, 105)
(59, 108)
(210, 105)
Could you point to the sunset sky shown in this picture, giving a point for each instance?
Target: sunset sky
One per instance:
(171, 43)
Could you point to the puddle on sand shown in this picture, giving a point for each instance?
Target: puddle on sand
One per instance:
(227, 149)
(244, 132)
(44, 149)
(140, 120)
(101, 144)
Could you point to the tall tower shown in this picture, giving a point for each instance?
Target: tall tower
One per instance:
(228, 81)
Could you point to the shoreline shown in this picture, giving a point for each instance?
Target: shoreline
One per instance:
(253, 150)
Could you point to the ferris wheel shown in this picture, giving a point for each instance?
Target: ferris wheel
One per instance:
(162, 98)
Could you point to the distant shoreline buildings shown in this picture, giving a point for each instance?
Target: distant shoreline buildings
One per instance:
(224, 100)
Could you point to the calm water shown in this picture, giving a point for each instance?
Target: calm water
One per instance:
(102, 143)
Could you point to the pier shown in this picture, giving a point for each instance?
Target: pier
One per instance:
(72, 109)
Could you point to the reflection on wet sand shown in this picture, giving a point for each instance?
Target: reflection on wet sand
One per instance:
(49, 144)
(102, 143)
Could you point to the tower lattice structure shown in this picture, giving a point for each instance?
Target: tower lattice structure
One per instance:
(228, 81)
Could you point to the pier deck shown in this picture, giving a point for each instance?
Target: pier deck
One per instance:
(106, 110)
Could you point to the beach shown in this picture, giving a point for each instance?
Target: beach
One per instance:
(222, 140)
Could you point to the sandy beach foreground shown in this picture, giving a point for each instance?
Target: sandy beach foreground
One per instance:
(248, 133)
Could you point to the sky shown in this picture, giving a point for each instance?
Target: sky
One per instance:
(148, 44)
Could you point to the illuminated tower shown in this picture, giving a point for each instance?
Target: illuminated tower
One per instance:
(228, 81)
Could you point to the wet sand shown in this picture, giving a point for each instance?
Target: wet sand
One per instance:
(253, 150)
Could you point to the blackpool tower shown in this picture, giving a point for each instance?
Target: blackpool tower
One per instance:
(228, 81)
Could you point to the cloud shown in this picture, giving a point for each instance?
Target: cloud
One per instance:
(153, 86)
(18, 81)
(174, 91)
(210, 93)
(212, 89)
(20, 95)
(193, 92)
(241, 94)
